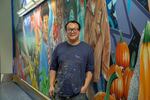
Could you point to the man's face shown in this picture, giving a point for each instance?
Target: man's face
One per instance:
(73, 32)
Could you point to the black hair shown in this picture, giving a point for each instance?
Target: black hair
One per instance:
(73, 21)
(44, 10)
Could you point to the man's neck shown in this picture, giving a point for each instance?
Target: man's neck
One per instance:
(74, 42)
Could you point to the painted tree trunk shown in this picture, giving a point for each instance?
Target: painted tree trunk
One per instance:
(97, 34)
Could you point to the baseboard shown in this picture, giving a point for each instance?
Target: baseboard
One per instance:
(5, 77)
(29, 89)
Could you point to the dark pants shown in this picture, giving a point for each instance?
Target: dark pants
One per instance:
(81, 96)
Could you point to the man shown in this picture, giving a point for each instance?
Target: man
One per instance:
(72, 66)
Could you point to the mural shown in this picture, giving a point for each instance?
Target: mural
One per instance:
(112, 27)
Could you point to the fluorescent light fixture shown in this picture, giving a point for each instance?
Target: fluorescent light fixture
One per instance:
(30, 4)
(27, 8)
(21, 11)
(38, 1)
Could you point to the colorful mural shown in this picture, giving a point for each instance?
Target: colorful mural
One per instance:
(112, 27)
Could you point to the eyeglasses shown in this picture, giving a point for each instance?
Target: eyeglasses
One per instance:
(69, 30)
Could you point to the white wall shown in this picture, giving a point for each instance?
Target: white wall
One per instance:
(5, 37)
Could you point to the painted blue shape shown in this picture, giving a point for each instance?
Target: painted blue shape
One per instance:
(138, 16)
(128, 6)
(122, 17)
(111, 22)
(102, 83)
(71, 16)
(43, 59)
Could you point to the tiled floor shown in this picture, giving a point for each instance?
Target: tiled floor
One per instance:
(10, 91)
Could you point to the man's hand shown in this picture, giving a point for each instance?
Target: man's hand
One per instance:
(51, 91)
(87, 81)
(52, 82)
(83, 89)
